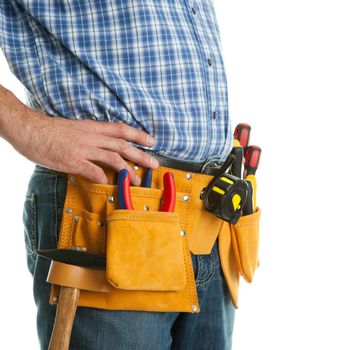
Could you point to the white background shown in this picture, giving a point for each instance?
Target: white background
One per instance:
(292, 76)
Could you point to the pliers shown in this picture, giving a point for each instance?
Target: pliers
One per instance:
(169, 193)
(123, 190)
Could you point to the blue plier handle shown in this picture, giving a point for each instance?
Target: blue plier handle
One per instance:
(147, 180)
(123, 190)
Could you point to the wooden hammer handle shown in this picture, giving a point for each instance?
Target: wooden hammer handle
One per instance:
(63, 323)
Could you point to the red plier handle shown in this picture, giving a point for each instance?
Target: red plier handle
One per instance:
(169, 193)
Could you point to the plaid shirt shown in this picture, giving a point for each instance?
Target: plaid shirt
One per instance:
(153, 64)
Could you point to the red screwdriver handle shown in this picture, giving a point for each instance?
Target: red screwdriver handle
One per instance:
(242, 133)
(252, 159)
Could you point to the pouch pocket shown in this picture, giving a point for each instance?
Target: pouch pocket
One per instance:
(88, 231)
(245, 242)
(145, 251)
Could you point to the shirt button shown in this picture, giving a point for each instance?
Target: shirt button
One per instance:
(214, 114)
(210, 62)
(194, 11)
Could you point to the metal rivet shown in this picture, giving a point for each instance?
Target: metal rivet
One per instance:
(186, 198)
(76, 218)
(100, 223)
(136, 167)
(189, 176)
(182, 233)
(111, 199)
(194, 308)
(69, 210)
(72, 179)
(146, 208)
(54, 299)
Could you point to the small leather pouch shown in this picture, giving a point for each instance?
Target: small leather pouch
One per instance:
(245, 243)
(88, 230)
(145, 251)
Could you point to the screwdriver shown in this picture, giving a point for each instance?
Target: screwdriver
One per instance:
(252, 159)
(242, 134)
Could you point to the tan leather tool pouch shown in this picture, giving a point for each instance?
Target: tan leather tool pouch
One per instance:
(149, 265)
(145, 251)
(245, 242)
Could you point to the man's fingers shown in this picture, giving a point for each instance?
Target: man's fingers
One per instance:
(127, 151)
(92, 172)
(139, 157)
(114, 161)
(129, 133)
(120, 130)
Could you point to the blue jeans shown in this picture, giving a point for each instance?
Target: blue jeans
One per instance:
(128, 330)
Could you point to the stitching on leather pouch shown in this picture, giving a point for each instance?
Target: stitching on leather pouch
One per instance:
(98, 191)
(72, 231)
(182, 222)
(189, 282)
(141, 195)
(203, 178)
(185, 249)
(190, 279)
(66, 219)
(135, 218)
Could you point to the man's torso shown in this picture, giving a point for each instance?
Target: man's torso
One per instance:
(153, 64)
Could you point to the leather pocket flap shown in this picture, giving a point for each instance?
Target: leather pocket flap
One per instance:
(145, 251)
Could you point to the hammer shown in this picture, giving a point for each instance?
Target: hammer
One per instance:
(76, 257)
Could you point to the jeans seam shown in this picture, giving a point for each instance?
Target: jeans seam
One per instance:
(32, 224)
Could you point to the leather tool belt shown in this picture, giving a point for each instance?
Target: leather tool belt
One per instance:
(148, 252)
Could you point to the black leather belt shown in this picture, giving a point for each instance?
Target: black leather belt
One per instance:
(209, 167)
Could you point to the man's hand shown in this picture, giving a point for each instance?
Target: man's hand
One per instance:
(75, 146)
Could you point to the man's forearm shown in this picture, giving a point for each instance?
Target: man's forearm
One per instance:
(12, 116)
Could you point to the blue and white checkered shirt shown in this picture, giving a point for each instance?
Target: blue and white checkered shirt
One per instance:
(153, 64)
